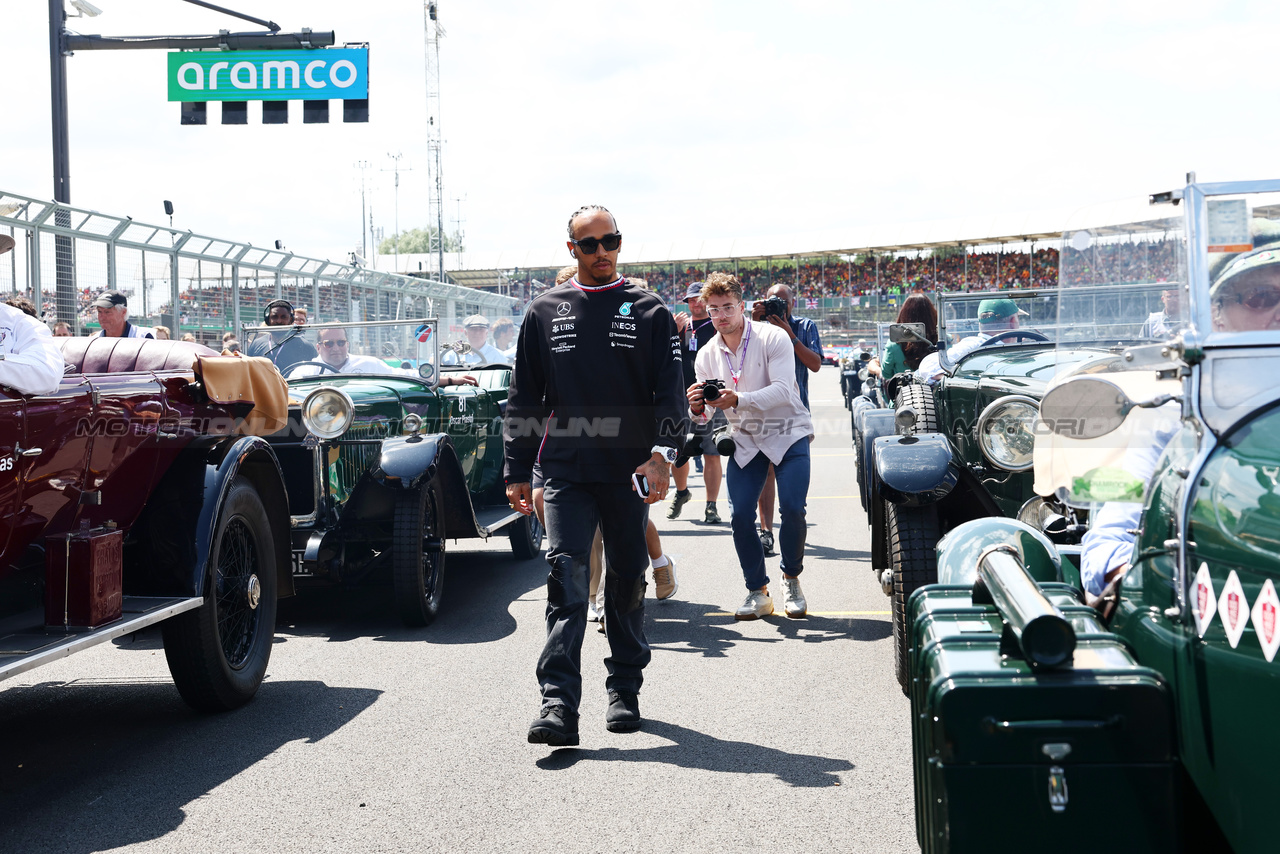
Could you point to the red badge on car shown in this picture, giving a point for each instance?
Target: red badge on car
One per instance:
(1264, 619)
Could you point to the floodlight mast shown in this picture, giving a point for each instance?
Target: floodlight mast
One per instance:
(63, 43)
(435, 194)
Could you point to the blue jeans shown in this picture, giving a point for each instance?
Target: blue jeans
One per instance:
(745, 485)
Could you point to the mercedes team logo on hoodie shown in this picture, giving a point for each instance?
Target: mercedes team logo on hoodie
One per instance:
(563, 308)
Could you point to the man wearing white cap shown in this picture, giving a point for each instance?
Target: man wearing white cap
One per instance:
(30, 362)
(476, 328)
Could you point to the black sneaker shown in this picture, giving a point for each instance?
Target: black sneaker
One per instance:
(766, 540)
(624, 712)
(678, 503)
(712, 515)
(556, 726)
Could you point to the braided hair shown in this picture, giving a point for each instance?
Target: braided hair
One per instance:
(585, 209)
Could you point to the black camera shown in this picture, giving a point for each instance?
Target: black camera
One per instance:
(711, 389)
(775, 307)
(723, 439)
(692, 448)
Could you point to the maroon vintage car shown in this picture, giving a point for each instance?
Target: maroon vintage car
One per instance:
(131, 497)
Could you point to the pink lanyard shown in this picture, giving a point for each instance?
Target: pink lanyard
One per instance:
(742, 362)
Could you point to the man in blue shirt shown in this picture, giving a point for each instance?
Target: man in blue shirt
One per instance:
(807, 348)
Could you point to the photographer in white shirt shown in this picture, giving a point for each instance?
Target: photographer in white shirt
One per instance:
(755, 362)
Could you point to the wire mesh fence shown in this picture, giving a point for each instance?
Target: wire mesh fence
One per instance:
(198, 285)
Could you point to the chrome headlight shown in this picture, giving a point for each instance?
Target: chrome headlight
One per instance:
(1006, 432)
(327, 413)
(411, 423)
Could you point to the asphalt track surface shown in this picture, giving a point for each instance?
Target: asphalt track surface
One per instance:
(778, 734)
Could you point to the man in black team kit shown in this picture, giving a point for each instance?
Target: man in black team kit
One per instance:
(596, 398)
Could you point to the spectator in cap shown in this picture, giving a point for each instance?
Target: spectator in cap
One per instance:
(285, 347)
(113, 317)
(994, 316)
(476, 328)
(30, 361)
(695, 331)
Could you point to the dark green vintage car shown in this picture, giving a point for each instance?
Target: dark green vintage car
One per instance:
(960, 448)
(1145, 722)
(383, 463)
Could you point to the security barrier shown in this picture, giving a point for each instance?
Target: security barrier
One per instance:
(202, 285)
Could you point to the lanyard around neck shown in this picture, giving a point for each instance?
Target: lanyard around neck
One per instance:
(742, 361)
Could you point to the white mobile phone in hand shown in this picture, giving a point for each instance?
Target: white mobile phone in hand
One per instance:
(641, 483)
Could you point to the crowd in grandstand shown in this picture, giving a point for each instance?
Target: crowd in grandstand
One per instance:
(885, 275)
(858, 278)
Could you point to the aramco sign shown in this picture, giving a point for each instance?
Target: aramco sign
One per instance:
(269, 75)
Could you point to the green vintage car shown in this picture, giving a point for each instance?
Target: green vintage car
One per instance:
(1144, 725)
(383, 463)
(960, 448)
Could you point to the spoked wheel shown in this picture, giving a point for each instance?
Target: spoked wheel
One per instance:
(913, 536)
(526, 537)
(218, 653)
(417, 555)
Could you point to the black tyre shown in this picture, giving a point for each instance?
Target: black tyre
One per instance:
(417, 555)
(526, 537)
(913, 536)
(920, 398)
(218, 653)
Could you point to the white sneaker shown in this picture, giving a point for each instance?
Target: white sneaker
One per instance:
(757, 604)
(593, 613)
(793, 598)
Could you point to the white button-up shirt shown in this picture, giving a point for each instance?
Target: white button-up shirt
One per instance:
(769, 417)
(30, 360)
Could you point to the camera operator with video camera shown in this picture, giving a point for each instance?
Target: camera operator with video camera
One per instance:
(806, 346)
(748, 372)
(696, 330)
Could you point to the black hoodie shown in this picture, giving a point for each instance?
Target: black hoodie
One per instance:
(598, 381)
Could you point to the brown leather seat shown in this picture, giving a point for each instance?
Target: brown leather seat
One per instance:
(119, 355)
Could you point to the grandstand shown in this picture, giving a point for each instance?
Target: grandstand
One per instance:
(858, 280)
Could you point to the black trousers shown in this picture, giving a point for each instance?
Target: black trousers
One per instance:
(573, 510)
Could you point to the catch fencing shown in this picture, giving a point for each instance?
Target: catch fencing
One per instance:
(200, 285)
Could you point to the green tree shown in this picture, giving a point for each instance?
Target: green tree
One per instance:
(418, 240)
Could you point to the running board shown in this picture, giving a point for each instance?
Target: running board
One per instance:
(35, 644)
(490, 519)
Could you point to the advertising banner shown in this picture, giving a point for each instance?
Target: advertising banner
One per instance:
(269, 75)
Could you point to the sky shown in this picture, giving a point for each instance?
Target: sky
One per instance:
(690, 121)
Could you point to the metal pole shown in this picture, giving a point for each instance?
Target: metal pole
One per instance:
(64, 295)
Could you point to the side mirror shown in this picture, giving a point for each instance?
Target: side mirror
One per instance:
(1085, 408)
(907, 333)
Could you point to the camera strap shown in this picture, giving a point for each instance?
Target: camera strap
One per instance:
(742, 361)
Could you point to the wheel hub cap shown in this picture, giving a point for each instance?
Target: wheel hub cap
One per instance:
(253, 592)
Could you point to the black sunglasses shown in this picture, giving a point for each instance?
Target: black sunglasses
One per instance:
(330, 343)
(1257, 298)
(589, 245)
